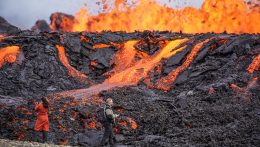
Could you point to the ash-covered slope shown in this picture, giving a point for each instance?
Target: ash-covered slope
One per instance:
(176, 89)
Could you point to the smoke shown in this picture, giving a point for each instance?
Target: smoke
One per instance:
(24, 13)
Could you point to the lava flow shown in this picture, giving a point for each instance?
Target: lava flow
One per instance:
(165, 83)
(8, 54)
(196, 86)
(139, 69)
(127, 71)
(254, 66)
(71, 71)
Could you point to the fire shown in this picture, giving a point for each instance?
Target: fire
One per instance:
(8, 54)
(63, 21)
(130, 72)
(165, 83)
(71, 70)
(232, 16)
(254, 66)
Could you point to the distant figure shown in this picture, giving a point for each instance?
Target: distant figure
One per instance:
(42, 122)
(108, 123)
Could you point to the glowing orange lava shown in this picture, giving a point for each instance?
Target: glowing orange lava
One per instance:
(101, 46)
(165, 83)
(232, 16)
(133, 123)
(84, 39)
(130, 72)
(91, 125)
(254, 66)
(8, 54)
(71, 70)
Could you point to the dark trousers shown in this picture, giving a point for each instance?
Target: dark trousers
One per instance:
(108, 134)
(44, 136)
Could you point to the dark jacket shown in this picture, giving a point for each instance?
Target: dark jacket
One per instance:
(109, 115)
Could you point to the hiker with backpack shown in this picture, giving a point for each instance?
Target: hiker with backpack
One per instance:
(109, 121)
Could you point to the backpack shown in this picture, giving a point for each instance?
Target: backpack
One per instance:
(101, 115)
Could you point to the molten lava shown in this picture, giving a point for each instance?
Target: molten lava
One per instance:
(165, 83)
(8, 54)
(71, 70)
(130, 72)
(91, 125)
(101, 46)
(232, 16)
(254, 66)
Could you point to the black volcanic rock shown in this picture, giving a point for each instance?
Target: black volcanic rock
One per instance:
(201, 108)
(7, 28)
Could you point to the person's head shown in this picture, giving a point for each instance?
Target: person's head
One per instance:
(109, 102)
(45, 102)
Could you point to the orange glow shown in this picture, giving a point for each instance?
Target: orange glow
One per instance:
(133, 123)
(233, 16)
(8, 54)
(84, 39)
(92, 125)
(71, 70)
(61, 110)
(101, 46)
(165, 83)
(128, 71)
(123, 123)
(93, 63)
(2, 36)
(254, 66)
(64, 23)
(130, 122)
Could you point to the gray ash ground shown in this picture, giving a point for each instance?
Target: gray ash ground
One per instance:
(200, 109)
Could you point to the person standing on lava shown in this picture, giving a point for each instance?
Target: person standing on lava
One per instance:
(42, 122)
(109, 123)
